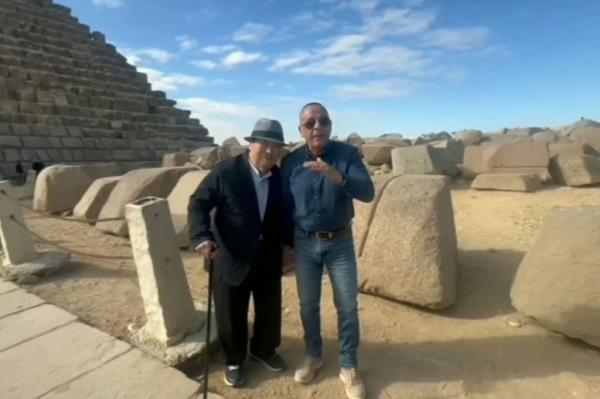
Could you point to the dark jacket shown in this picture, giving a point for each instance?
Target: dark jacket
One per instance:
(236, 226)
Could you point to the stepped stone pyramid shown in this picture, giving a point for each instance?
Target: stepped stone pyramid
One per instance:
(67, 96)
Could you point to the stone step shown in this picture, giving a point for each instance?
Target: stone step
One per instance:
(32, 16)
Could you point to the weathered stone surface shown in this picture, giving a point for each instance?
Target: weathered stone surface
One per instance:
(175, 159)
(523, 131)
(205, 157)
(410, 250)
(377, 154)
(557, 281)
(469, 137)
(84, 347)
(574, 148)
(546, 136)
(504, 157)
(60, 187)
(17, 301)
(7, 286)
(179, 200)
(231, 151)
(170, 312)
(134, 185)
(507, 182)
(91, 203)
(22, 326)
(421, 160)
(575, 170)
(133, 375)
(355, 140)
(453, 150)
(16, 241)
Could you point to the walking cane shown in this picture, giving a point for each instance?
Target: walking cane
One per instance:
(208, 315)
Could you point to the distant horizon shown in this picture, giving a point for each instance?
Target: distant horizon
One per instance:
(380, 66)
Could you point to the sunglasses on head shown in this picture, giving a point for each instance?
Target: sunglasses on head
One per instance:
(311, 122)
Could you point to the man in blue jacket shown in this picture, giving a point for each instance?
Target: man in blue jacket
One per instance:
(320, 180)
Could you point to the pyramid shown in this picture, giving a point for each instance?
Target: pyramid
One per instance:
(67, 96)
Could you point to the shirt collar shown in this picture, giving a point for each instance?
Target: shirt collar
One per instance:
(256, 173)
(324, 153)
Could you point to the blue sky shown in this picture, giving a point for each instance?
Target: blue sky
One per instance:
(405, 66)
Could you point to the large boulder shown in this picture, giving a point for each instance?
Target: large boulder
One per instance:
(408, 249)
(156, 182)
(558, 279)
(59, 188)
(205, 157)
(568, 148)
(575, 170)
(586, 132)
(523, 131)
(173, 159)
(422, 160)
(469, 137)
(546, 136)
(514, 157)
(454, 150)
(90, 205)
(179, 200)
(376, 153)
(355, 140)
(507, 182)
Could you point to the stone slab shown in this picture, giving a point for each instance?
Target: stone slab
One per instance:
(47, 263)
(16, 301)
(31, 323)
(67, 353)
(6, 286)
(133, 375)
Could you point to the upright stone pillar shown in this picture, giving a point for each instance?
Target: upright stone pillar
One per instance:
(21, 258)
(170, 311)
(16, 241)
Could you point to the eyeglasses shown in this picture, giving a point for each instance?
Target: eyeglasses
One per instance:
(311, 122)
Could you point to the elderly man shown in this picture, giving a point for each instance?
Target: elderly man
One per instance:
(320, 181)
(245, 241)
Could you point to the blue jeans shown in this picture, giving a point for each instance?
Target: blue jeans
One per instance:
(338, 256)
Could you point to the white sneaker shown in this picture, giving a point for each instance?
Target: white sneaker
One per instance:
(307, 369)
(355, 389)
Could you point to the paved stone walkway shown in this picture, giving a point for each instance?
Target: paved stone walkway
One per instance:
(46, 352)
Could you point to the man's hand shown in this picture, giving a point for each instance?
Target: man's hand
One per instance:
(324, 168)
(207, 249)
(289, 265)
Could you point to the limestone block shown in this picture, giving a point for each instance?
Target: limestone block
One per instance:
(17, 242)
(91, 203)
(170, 312)
(17, 301)
(134, 185)
(231, 151)
(586, 133)
(421, 160)
(504, 157)
(377, 154)
(355, 140)
(205, 157)
(10, 142)
(546, 136)
(179, 200)
(60, 187)
(175, 159)
(557, 281)
(454, 150)
(575, 148)
(410, 249)
(507, 182)
(575, 170)
(469, 137)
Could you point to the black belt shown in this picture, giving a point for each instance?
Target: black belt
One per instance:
(328, 235)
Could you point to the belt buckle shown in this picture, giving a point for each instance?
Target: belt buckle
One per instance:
(323, 235)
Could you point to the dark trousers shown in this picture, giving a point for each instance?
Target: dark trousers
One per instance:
(231, 311)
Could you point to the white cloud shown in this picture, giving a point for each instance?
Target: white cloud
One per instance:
(413, 3)
(457, 39)
(187, 43)
(346, 44)
(290, 60)
(496, 50)
(252, 33)
(170, 82)
(218, 49)
(136, 57)
(205, 64)
(380, 60)
(108, 3)
(374, 90)
(364, 6)
(223, 119)
(399, 22)
(237, 58)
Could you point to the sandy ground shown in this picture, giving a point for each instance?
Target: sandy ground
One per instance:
(467, 351)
